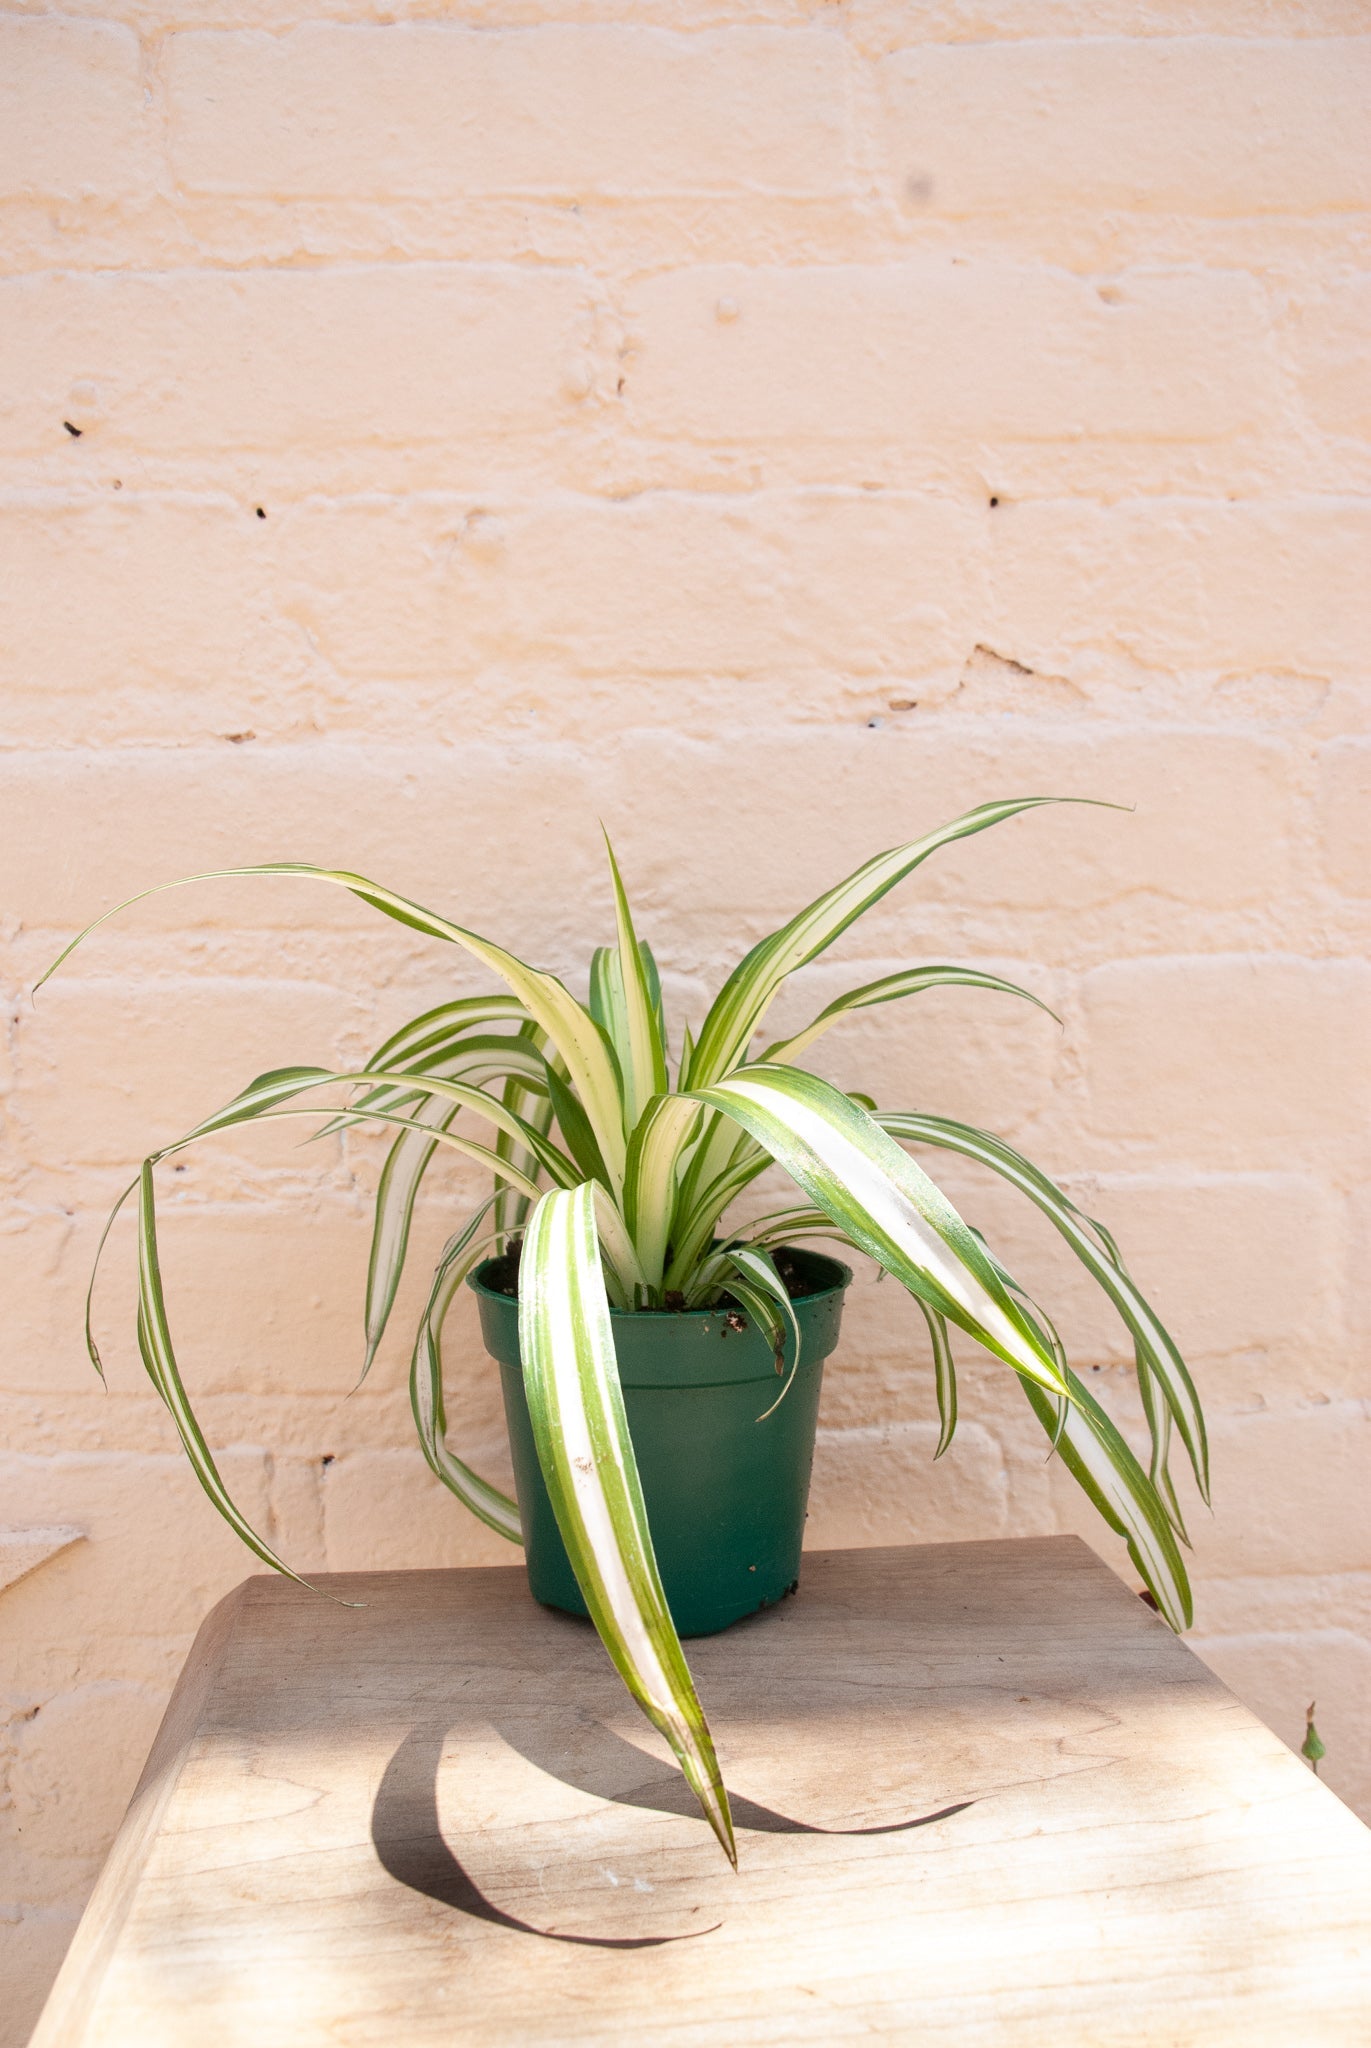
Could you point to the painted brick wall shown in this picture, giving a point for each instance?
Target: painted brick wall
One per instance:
(770, 428)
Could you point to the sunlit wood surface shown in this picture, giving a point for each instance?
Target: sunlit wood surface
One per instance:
(982, 1796)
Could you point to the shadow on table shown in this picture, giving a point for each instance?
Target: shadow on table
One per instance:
(411, 1847)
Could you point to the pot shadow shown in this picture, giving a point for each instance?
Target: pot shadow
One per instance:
(411, 1847)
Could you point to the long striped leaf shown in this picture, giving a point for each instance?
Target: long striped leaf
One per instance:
(643, 1055)
(159, 1358)
(849, 1167)
(476, 1058)
(396, 1193)
(1155, 1344)
(653, 978)
(654, 1156)
(285, 1083)
(410, 1156)
(759, 1269)
(1107, 1472)
(891, 988)
(742, 1002)
(574, 1032)
(576, 1405)
(448, 1021)
(154, 1332)
(533, 1103)
(623, 1275)
(692, 1236)
(460, 1255)
(944, 1376)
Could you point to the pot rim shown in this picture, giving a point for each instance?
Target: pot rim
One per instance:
(837, 1286)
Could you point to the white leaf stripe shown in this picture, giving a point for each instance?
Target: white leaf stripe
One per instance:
(848, 1166)
(476, 1059)
(576, 1405)
(1158, 1347)
(1102, 1464)
(618, 1247)
(534, 1105)
(1158, 1416)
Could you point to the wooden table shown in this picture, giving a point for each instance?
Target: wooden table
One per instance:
(982, 1796)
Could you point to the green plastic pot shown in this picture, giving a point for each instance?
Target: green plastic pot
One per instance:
(725, 1492)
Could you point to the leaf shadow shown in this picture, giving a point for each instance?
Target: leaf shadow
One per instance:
(411, 1847)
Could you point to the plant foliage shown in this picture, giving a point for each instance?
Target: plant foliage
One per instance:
(628, 1204)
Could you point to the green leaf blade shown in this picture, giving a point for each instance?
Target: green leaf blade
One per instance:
(486, 1502)
(892, 988)
(644, 1056)
(1157, 1347)
(743, 1000)
(848, 1166)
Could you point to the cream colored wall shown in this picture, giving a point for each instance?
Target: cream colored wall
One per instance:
(770, 428)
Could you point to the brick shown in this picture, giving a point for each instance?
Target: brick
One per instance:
(978, 1056)
(935, 349)
(112, 1071)
(1232, 1263)
(1278, 1675)
(1289, 1483)
(157, 1556)
(992, 127)
(1345, 808)
(665, 583)
(1329, 347)
(1231, 849)
(879, 1485)
(384, 1511)
(269, 1300)
(200, 808)
(1240, 1061)
(1358, 1253)
(39, 1254)
(879, 788)
(72, 116)
(1288, 1604)
(1177, 584)
(64, 1813)
(410, 260)
(339, 355)
(436, 110)
(883, 25)
(137, 594)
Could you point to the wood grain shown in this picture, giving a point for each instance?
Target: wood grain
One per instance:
(983, 1796)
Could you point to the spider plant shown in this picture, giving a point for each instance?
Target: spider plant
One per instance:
(619, 1177)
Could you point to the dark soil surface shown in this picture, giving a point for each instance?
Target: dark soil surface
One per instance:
(501, 1276)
